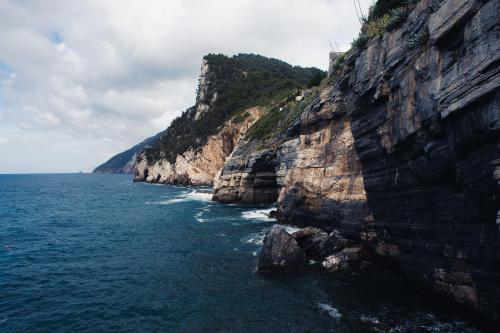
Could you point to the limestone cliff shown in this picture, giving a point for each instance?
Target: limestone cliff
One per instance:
(232, 94)
(197, 166)
(312, 170)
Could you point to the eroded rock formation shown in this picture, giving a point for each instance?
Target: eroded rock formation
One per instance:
(197, 166)
(425, 119)
(409, 128)
(232, 94)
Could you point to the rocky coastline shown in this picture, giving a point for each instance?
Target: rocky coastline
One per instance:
(395, 156)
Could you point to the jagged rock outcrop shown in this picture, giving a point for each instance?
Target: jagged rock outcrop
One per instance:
(248, 177)
(197, 166)
(195, 146)
(280, 252)
(314, 175)
(425, 117)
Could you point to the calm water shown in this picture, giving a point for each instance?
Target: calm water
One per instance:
(98, 253)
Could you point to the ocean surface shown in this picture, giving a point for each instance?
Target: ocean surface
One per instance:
(98, 253)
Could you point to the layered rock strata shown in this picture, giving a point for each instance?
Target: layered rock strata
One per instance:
(231, 95)
(425, 117)
(314, 175)
(410, 128)
(197, 166)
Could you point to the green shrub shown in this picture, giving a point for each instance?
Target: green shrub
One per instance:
(279, 117)
(361, 41)
(339, 63)
(382, 7)
(434, 5)
(384, 15)
(418, 39)
(242, 81)
(397, 16)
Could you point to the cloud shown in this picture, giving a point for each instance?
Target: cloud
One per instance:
(102, 75)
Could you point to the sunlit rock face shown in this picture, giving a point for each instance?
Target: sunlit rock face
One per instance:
(197, 166)
(232, 94)
(314, 175)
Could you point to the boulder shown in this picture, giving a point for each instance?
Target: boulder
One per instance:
(318, 244)
(280, 252)
(312, 241)
(340, 261)
(336, 262)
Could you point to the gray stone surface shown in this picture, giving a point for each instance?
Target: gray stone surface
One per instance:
(280, 252)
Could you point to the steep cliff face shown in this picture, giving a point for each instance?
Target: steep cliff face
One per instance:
(232, 94)
(197, 166)
(311, 169)
(425, 119)
(401, 149)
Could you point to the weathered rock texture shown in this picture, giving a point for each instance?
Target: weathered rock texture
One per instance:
(197, 166)
(426, 122)
(280, 252)
(410, 128)
(194, 147)
(314, 175)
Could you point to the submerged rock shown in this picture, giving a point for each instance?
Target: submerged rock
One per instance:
(280, 252)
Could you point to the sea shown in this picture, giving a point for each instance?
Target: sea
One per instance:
(99, 253)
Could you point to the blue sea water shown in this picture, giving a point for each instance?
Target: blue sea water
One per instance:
(98, 253)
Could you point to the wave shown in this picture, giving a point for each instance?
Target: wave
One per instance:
(291, 229)
(258, 237)
(200, 195)
(195, 195)
(330, 310)
(198, 217)
(258, 214)
(255, 238)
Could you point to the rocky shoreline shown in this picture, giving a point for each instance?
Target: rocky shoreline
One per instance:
(395, 156)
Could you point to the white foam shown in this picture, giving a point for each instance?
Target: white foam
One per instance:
(369, 319)
(330, 310)
(195, 195)
(291, 229)
(200, 195)
(258, 214)
(256, 239)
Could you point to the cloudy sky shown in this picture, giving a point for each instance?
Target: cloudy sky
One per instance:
(83, 80)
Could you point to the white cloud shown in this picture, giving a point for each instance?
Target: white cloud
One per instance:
(102, 75)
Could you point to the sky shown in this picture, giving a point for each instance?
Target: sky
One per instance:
(81, 81)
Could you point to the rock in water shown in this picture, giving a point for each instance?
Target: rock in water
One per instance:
(281, 252)
(341, 260)
(318, 244)
(312, 241)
